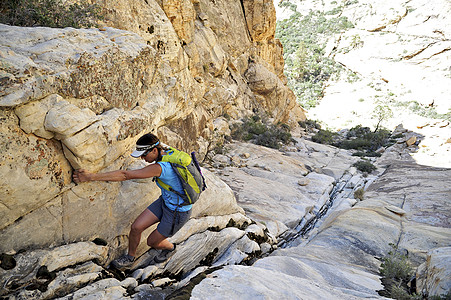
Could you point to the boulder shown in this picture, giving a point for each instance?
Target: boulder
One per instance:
(201, 248)
(34, 171)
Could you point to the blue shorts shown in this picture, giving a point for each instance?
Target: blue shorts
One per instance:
(170, 221)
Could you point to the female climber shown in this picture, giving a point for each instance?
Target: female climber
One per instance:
(167, 209)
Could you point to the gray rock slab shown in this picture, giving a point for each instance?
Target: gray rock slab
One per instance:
(266, 199)
(422, 193)
(402, 207)
(419, 189)
(345, 277)
(194, 250)
(268, 186)
(259, 283)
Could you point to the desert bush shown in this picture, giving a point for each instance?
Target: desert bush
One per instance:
(366, 154)
(400, 293)
(397, 272)
(358, 144)
(395, 265)
(49, 13)
(364, 166)
(358, 138)
(324, 136)
(446, 296)
(359, 194)
(382, 112)
(363, 139)
(309, 124)
(424, 111)
(261, 132)
(250, 127)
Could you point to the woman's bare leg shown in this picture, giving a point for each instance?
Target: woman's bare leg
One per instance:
(158, 241)
(144, 221)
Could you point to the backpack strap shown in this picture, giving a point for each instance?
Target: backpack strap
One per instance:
(167, 187)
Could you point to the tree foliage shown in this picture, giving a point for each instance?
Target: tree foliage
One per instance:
(49, 13)
(304, 37)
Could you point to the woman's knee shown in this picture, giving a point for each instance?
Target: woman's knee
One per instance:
(137, 227)
(154, 240)
(144, 221)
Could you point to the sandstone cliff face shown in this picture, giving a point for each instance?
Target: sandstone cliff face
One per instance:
(80, 98)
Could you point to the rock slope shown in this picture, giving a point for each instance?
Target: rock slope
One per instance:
(407, 206)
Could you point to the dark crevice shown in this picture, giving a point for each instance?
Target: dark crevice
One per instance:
(444, 50)
(185, 292)
(401, 224)
(245, 21)
(410, 56)
(392, 22)
(7, 262)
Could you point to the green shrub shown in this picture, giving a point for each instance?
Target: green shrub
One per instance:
(358, 144)
(285, 3)
(424, 111)
(261, 133)
(49, 13)
(397, 273)
(309, 124)
(396, 266)
(446, 296)
(400, 293)
(382, 112)
(324, 136)
(362, 138)
(364, 166)
(366, 154)
(358, 131)
(358, 138)
(359, 194)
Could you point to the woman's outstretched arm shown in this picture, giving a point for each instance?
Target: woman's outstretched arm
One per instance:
(153, 170)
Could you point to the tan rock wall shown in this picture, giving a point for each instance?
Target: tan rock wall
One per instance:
(33, 170)
(260, 19)
(181, 14)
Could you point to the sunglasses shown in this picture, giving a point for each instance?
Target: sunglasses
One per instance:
(147, 152)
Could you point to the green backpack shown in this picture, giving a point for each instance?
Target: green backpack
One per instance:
(188, 171)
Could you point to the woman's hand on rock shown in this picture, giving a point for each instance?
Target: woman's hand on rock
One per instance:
(81, 175)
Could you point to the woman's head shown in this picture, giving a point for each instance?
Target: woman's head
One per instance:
(147, 143)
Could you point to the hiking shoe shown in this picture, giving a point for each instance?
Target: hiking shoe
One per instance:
(164, 255)
(123, 262)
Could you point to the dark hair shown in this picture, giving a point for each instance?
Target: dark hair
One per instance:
(150, 139)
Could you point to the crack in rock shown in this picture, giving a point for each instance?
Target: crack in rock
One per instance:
(391, 22)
